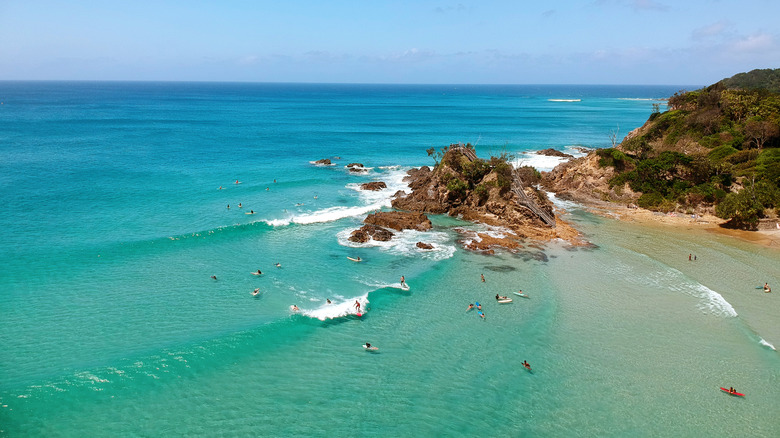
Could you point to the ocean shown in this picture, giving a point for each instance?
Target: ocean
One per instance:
(116, 218)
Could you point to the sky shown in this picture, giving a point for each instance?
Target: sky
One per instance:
(664, 42)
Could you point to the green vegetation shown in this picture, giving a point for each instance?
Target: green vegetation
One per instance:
(463, 176)
(718, 146)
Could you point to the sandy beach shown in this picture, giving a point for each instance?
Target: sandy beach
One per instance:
(767, 235)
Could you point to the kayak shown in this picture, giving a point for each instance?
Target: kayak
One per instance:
(738, 394)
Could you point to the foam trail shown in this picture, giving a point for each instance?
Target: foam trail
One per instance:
(767, 344)
(337, 310)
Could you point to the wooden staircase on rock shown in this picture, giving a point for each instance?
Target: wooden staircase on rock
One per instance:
(524, 201)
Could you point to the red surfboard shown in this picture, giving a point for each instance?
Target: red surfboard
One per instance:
(739, 394)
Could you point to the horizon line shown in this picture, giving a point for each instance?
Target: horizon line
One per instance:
(336, 83)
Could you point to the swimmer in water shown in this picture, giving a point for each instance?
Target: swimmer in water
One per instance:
(295, 308)
(256, 291)
(213, 277)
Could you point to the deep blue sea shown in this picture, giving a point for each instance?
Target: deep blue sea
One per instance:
(122, 200)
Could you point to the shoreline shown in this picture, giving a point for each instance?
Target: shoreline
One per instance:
(769, 238)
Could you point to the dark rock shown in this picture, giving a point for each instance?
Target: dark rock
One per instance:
(323, 162)
(400, 220)
(550, 152)
(374, 185)
(370, 231)
(423, 245)
(351, 165)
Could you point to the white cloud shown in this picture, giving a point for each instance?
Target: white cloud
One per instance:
(757, 43)
(713, 30)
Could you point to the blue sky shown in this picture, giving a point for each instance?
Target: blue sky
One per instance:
(678, 42)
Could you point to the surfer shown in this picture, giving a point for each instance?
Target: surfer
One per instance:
(214, 277)
(357, 305)
(359, 259)
(251, 212)
(257, 273)
(471, 306)
(527, 365)
(239, 205)
(220, 187)
(238, 182)
(295, 308)
(500, 297)
(228, 206)
(278, 265)
(481, 315)
(368, 345)
(403, 281)
(483, 277)
(257, 291)
(327, 300)
(479, 306)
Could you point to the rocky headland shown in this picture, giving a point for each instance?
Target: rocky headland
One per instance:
(486, 191)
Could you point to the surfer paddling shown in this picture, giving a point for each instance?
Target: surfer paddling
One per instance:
(498, 297)
(526, 365)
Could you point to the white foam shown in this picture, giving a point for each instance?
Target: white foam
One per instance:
(371, 200)
(766, 344)
(713, 302)
(544, 163)
(564, 100)
(337, 310)
(404, 243)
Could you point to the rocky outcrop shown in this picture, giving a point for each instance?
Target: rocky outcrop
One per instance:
(368, 232)
(550, 152)
(377, 224)
(323, 162)
(583, 180)
(482, 191)
(374, 185)
(423, 245)
(399, 220)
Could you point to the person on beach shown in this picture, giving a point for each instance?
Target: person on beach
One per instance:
(689, 257)
(483, 277)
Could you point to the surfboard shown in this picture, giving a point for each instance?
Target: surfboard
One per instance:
(506, 301)
(355, 260)
(404, 286)
(524, 295)
(294, 309)
(257, 273)
(738, 394)
(371, 348)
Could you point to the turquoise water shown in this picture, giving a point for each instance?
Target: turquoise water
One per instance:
(115, 223)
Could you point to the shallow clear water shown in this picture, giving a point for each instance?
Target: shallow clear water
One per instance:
(113, 326)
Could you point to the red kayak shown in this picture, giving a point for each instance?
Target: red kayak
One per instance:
(739, 394)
